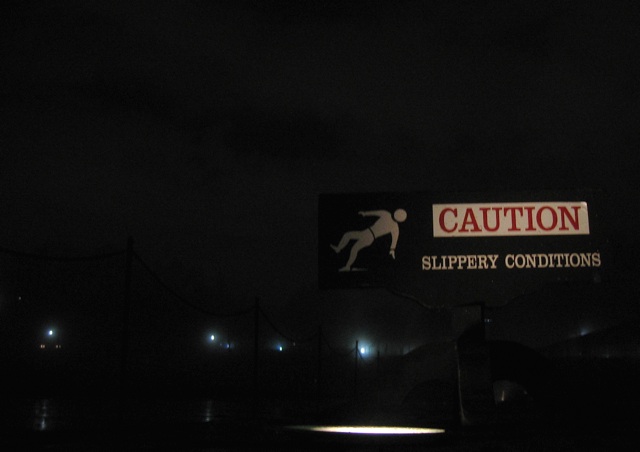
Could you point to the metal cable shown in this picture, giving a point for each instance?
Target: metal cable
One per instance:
(288, 338)
(93, 257)
(182, 299)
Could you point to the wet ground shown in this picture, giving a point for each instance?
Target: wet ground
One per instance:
(208, 425)
(273, 438)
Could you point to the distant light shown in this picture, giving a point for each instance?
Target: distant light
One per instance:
(50, 332)
(368, 430)
(212, 338)
(362, 350)
(280, 348)
(585, 330)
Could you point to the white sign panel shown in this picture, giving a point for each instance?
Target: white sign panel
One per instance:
(449, 248)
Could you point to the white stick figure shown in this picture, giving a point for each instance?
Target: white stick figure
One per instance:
(385, 224)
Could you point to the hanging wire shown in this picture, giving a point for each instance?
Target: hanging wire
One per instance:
(182, 299)
(335, 350)
(413, 298)
(44, 257)
(286, 337)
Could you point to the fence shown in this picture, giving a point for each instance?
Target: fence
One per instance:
(108, 323)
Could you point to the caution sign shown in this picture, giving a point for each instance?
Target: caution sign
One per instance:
(450, 249)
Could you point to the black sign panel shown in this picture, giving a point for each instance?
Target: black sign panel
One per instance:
(450, 249)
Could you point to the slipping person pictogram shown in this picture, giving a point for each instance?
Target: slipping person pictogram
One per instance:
(385, 224)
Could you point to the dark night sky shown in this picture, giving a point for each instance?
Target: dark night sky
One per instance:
(207, 130)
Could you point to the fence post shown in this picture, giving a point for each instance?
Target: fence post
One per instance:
(126, 307)
(355, 374)
(256, 340)
(319, 370)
